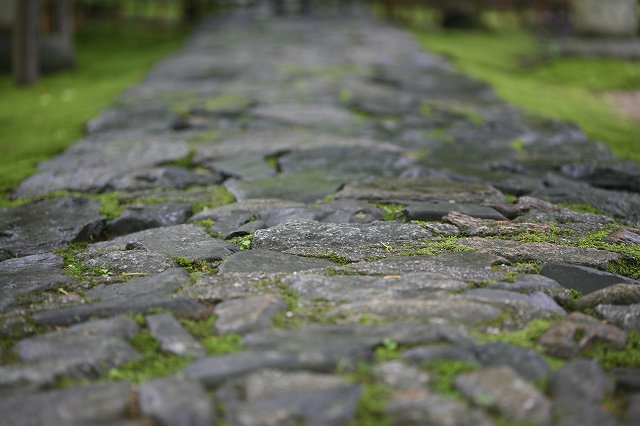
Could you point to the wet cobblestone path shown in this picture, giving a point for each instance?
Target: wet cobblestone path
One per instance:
(316, 222)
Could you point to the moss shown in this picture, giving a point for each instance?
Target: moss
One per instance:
(346, 96)
(204, 331)
(629, 267)
(245, 242)
(184, 162)
(441, 135)
(7, 355)
(554, 236)
(227, 103)
(444, 374)
(511, 198)
(392, 211)
(609, 357)
(110, 206)
(582, 208)
(518, 146)
(430, 248)
(154, 364)
(335, 258)
(390, 350)
(371, 409)
(216, 195)
(192, 266)
(205, 223)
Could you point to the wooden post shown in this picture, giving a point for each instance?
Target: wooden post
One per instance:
(63, 18)
(25, 42)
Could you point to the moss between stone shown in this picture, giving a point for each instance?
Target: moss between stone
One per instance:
(430, 248)
(581, 208)
(444, 373)
(245, 242)
(204, 331)
(392, 211)
(371, 409)
(193, 266)
(389, 351)
(609, 357)
(630, 267)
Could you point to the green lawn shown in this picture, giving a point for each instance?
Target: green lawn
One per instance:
(567, 89)
(40, 122)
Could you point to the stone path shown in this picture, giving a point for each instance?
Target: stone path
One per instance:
(315, 222)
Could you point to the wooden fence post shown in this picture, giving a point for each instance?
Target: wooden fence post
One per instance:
(26, 26)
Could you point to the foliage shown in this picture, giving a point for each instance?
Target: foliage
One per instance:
(567, 89)
(41, 121)
(392, 211)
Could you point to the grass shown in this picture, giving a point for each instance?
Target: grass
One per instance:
(568, 89)
(41, 121)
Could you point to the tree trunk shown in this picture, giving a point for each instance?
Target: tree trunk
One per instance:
(25, 42)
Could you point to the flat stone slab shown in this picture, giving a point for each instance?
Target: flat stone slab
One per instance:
(307, 115)
(626, 317)
(545, 252)
(584, 279)
(617, 294)
(29, 274)
(144, 216)
(47, 225)
(93, 404)
(354, 288)
(466, 266)
(163, 284)
(524, 306)
(185, 241)
(435, 211)
(173, 337)
(269, 261)
(303, 187)
(174, 401)
(427, 408)
(421, 189)
(132, 262)
(353, 242)
(247, 315)
(273, 397)
(502, 389)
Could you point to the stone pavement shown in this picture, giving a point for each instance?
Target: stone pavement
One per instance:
(316, 222)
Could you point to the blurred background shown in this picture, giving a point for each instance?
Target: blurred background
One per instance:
(62, 61)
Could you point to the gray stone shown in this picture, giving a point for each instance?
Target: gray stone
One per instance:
(354, 288)
(175, 402)
(163, 284)
(487, 227)
(626, 378)
(129, 262)
(626, 236)
(530, 283)
(271, 397)
(187, 241)
(354, 242)
(93, 404)
(249, 166)
(585, 280)
(144, 216)
(468, 266)
(526, 362)
(268, 261)
(230, 225)
(107, 308)
(303, 187)
(431, 409)
(545, 252)
(523, 306)
(246, 315)
(617, 294)
(163, 177)
(256, 206)
(47, 225)
(501, 388)
(399, 376)
(457, 311)
(579, 333)
(425, 355)
(435, 211)
(632, 416)
(308, 115)
(30, 274)
(625, 317)
(172, 336)
(421, 189)
(231, 285)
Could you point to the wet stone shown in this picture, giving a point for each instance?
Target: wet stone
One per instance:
(421, 189)
(140, 217)
(174, 401)
(29, 274)
(163, 284)
(186, 241)
(47, 225)
(468, 266)
(585, 280)
(523, 306)
(545, 252)
(354, 242)
(302, 187)
(435, 211)
(93, 404)
(274, 397)
(501, 388)
(247, 315)
(426, 408)
(172, 336)
(400, 376)
(526, 362)
(625, 317)
(353, 288)
(617, 294)
(268, 261)
(107, 308)
(133, 262)
(579, 333)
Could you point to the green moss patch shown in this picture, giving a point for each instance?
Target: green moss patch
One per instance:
(204, 331)
(444, 374)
